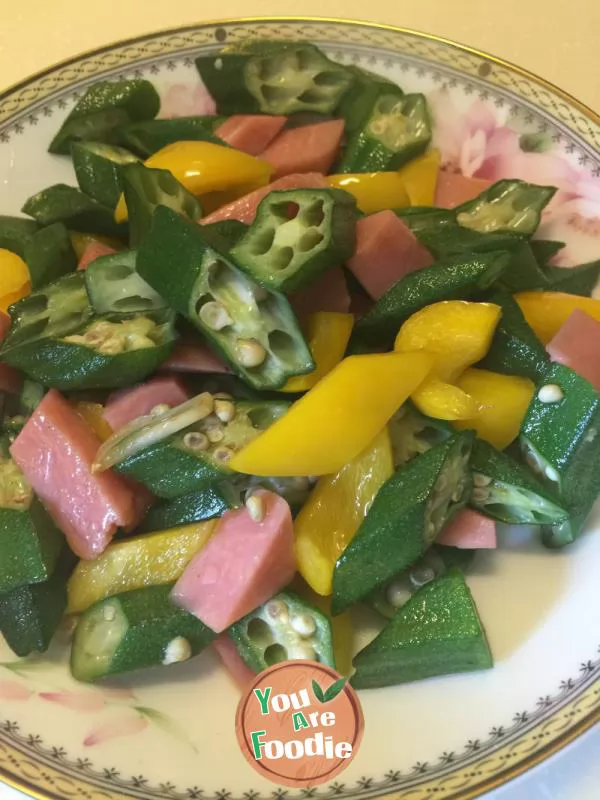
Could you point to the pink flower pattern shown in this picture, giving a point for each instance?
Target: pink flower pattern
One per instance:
(182, 100)
(125, 723)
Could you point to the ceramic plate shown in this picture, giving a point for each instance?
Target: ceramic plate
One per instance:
(171, 735)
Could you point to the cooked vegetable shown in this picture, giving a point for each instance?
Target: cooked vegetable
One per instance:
(296, 236)
(437, 632)
(405, 519)
(115, 288)
(135, 630)
(412, 433)
(15, 281)
(106, 106)
(580, 280)
(49, 255)
(547, 312)
(252, 328)
(126, 405)
(271, 77)
(420, 177)
(373, 191)
(364, 392)
(508, 205)
(98, 168)
(15, 233)
(205, 504)
(62, 203)
(149, 136)
(444, 401)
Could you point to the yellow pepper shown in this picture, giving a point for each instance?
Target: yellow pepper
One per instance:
(547, 311)
(456, 333)
(149, 560)
(335, 509)
(204, 167)
(420, 177)
(92, 413)
(15, 282)
(327, 333)
(442, 400)
(504, 400)
(333, 422)
(80, 242)
(373, 191)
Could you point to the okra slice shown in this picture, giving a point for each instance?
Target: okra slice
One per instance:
(285, 628)
(567, 531)
(197, 455)
(454, 278)
(30, 543)
(231, 231)
(508, 205)
(255, 330)
(560, 438)
(16, 232)
(62, 203)
(581, 280)
(18, 408)
(197, 506)
(116, 289)
(105, 107)
(30, 615)
(146, 138)
(506, 491)
(405, 519)
(436, 561)
(135, 630)
(397, 130)
(412, 433)
(274, 77)
(296, 236)
(545, 249)
(357, 103)
(426, 220)
(98, 170)
(145, 189)
(437, 632)
(515, 348)
(49, 255)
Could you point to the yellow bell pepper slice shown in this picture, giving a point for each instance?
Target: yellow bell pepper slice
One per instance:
(92, 413)
(442, 400)
(420, 177)
(81, 241)
(335, 509)
(327, 333)
(546, 312)
(373, 191)
(333, 422)
(204, 167)
(504, 400)
(455, 332)
(15, 282)
(149, 560)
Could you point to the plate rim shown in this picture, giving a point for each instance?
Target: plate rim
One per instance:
(589, 720)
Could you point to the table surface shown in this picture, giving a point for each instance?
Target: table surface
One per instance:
(554, 39)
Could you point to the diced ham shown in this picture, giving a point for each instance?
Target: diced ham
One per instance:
(193, 357)
(250, 133)
(55, 450)
(4, 325)
(386, 251)
(309, 148)
(469, 530)
(244, 209)
(577, 345)
(232, 660)
(11, 380)
(327, 293)
(242, 565)
(93, 251)
(454, 189)
(128, 404)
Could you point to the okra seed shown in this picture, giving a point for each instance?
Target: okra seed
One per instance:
(218, 63)
(421, 575)
(301, 651)
(250, 353)
(256, 507)
(480, 495)
(205, 405)
(552, 474)
(195, 440)
(304, 624)
(178, 649)
(278, 610)
(481, 480)
(215, 316)
(223, 396)
(550, 393)
(223, 454)
(215, 434)
(161, 408)
(225, 410)
(109, 613)
(397, 594)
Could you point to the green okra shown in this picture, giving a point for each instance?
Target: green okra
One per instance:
(148, 137)
(508, 205)
(62, 203)
(49, 255)
(98, 169)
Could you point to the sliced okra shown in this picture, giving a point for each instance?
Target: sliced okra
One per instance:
(567, 531)
(49, 255)
(405, 519)
(508, 492)
(426, 220)
(560, 438)
(197, 506)
(16, 232)
(145, 189)
(357, 103)
(98, 170)
(18, 408)
(254, 329)
(148, 137)
(296, 236)
(285, 628)
(412, 433)
(116, 289)
(581, 280)
(396, 130)
(274, 77)
(135, 630)
(62, 203)
(105, 107)
(508, 205)
(545, 249)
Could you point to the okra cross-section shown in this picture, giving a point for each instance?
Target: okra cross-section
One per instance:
(508, 205)
(114, 287)
(253, 328)
(296, 236)
(405, 519)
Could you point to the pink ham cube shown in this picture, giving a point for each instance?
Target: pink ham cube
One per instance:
(577, 345)
(454, 189)
(469, 530)
(129, 404)
(250, 133)
(309, 148)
